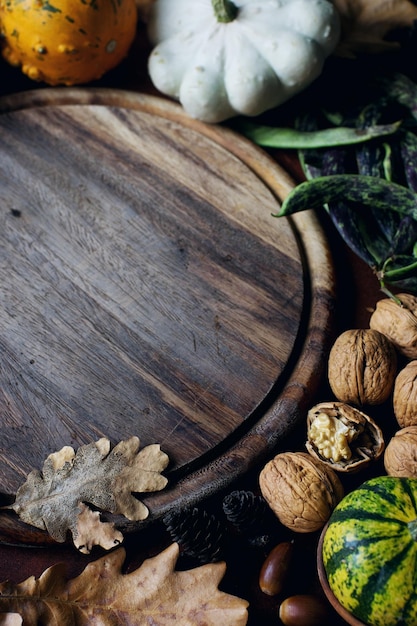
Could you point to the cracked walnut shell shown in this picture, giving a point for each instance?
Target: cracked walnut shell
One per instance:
(362, 367)
(400, 458)
(405, 395)
(398, 322)
(342, 436)
(300, 490)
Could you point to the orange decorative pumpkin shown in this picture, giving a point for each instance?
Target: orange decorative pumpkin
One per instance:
(67, 42)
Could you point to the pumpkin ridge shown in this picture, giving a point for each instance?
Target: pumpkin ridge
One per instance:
(406, 488)
(333, 563)
(408, 612)
(377, 581)
(370, 552)
(342, 515)
(388, 495)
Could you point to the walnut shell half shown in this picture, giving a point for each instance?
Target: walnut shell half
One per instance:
(362, 367)
(300, 490)
(400, 458)
(342, 436)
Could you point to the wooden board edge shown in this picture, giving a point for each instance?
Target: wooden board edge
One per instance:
(263, 440)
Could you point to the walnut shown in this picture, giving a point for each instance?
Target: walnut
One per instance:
(362, 367)
(300, 490)
(398, 323)
(342, 436)
(400, 458)
(405, 395)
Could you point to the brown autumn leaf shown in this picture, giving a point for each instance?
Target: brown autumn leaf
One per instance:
(91, 531)
(367, 23)
(152, 594)
(59, 498)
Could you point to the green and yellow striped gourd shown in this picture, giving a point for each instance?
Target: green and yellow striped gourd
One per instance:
(370, 552)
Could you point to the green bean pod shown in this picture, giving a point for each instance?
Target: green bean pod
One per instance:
(366, 190)
(367, 202)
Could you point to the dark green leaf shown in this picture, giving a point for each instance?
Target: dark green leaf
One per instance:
(319, 161)
(372, 160)
(408, 149)
(353, 225)
(349, 224)
(400, 267)
(407, 284)
(311, 162)
(403, 90)
(405, 237)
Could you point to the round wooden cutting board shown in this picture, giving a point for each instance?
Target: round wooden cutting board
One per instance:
(147, 289)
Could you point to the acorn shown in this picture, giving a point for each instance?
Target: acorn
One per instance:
(275, 568)
(304, 610)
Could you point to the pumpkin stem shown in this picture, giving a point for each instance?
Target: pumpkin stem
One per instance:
(412, 527)
(224, 10)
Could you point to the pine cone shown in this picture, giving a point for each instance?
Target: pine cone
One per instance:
(198, 533)
(250, 516)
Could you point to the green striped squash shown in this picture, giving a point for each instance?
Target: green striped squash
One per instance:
(370, 552)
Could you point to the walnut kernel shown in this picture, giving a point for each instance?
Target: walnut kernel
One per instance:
(342, 436)
(362, 367)
(300, 490)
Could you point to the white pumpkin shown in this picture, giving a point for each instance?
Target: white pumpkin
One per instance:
(221, 58)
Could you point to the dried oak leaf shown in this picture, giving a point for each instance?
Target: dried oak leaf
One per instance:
(95, 476)
(367, 23)
(152, 594)
(91, 531)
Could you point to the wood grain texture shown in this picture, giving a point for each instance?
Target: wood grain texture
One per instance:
(146, 289)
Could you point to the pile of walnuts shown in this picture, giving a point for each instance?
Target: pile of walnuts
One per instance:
(399, 324)
(366, 367)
